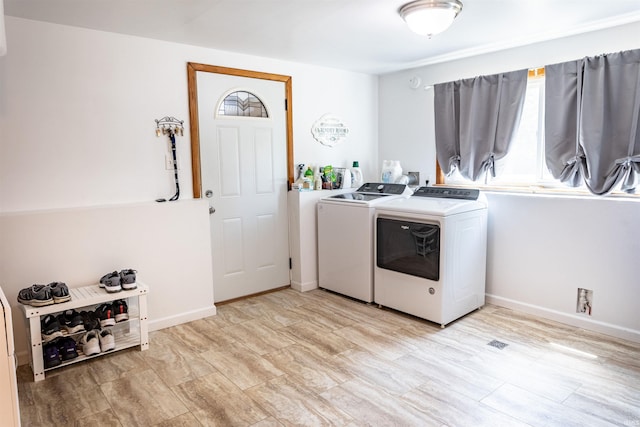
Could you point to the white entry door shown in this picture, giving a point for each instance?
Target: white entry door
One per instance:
(244, 177)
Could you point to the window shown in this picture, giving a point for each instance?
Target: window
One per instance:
(524, 166)
(242, 104)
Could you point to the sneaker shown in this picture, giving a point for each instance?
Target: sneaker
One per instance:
(90, 343)
(107, 341)
(89, 320)
(59, 292)
(111, 282)
(50, 328)
(128, 279)
(36, 296)
(106, 315)
(121, 310)
(67, 348)
(51, 355)
(71, 321)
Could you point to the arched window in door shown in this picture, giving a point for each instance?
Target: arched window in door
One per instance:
(242, 104)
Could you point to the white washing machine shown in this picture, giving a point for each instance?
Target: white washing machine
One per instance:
(345, 238)
(431, 252)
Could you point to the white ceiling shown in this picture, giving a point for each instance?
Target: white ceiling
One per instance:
(360, 35)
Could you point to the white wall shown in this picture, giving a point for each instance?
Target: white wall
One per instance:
(163, 242)
(531, 265)
(79, 156)
(77, 110)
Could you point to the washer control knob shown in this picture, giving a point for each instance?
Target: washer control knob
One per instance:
(432, 291)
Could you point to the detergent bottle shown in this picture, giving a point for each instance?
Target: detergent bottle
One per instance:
(356, 175)
(391, 171)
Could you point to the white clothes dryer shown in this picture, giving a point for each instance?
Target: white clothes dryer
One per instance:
(430, 253)
(345, 238)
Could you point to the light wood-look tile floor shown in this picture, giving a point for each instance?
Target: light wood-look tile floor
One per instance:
(316, 358)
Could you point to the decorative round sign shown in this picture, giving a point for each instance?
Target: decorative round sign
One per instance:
(329, 130)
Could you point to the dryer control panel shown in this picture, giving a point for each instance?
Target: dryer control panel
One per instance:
(448, 193)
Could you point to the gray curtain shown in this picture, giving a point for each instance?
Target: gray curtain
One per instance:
(592, 121)
(476, 121)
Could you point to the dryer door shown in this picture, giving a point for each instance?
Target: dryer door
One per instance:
(408, 247)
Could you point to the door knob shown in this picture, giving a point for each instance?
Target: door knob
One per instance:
(211, 210)
(208, 194)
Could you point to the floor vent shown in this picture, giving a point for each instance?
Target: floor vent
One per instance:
(498, 344)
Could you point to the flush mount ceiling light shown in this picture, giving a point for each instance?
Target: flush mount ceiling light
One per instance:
(430, 17)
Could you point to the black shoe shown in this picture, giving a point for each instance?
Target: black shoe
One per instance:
(106, 315)
(71, 321)
(121, 310)
(90, 320)
(67, 348)
(51, 355)
(50, 328)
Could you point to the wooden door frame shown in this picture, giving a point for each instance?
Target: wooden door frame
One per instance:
(192, 69)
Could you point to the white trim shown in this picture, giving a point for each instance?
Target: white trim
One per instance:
(569, 319)
(178, 319)
(304, 287)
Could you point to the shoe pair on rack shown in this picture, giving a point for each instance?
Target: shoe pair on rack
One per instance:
(71, 321)
(59, 350)
(115, 282)
(41, 295)
(110, 313)
(97, 341)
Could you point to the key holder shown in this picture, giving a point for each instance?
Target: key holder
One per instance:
(171, 126)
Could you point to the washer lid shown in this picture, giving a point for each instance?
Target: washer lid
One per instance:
(432, 206)
(358, 197)
(371, 193)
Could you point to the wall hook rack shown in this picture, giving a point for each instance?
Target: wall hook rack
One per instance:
(171, 126)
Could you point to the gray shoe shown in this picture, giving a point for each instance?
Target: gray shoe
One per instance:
(60, 292)
(128, 279)
(111, 282)
(36, 296)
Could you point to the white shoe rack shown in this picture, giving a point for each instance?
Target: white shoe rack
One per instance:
(127, 334)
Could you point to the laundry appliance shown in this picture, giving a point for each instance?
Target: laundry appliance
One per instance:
(345, 238)
(430, 253)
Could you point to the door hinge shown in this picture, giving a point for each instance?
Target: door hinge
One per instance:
(290, 264)
(286, 105)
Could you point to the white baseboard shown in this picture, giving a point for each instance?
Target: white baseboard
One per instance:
(178, 319)
(304, 287)
(569, 319)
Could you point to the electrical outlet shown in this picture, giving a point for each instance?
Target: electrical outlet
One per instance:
(168, 161)
(584, 302)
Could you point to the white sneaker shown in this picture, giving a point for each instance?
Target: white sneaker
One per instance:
(107, 341)
(90, 343)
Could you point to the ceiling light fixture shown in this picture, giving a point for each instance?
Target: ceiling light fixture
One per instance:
(430, 17)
